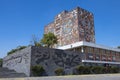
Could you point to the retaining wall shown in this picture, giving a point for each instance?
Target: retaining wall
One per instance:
(50, 59)
(19, 61)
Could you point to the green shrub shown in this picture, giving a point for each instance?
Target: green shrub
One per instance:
(114, 70)
(110, 69)
(83, 70)
(80, 69)
(98, 69)
(87, 70)
(1, 62)
(37, 70)
(59, 71)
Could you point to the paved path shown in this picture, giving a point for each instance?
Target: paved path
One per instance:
(70, 77)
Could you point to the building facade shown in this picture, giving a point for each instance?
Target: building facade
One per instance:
(72, 26)
(76, 46)
(95, 54)
(75, 31)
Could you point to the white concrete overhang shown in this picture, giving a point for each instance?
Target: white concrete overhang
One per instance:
(83, 43)
(103, 62)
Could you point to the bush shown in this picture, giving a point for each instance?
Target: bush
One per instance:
(98, 69)
(80, 69)
(1, 62)
(59, 71)
(115, 70)
(37, 70)
(83, 70)
(87, 70)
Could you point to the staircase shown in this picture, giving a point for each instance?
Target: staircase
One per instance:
(6, 73)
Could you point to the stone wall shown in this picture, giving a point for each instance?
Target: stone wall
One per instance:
(19, 61)
(52, 59)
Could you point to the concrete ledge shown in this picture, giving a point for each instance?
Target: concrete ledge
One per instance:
(72, 77)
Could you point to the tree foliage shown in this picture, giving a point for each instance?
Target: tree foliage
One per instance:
(49, 40)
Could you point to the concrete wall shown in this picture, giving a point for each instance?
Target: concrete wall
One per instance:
(19, 61)
(52, 59)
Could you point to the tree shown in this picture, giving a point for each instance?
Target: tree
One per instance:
(49, 40)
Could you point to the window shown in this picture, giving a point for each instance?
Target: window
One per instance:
(91, 50)
(86, 49)
(117, 56)
(103, 56)
(96, 51)
(113, 56)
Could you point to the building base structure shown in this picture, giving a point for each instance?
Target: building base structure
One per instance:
(70, 57)
(75, 32)
(50, 59)
(95, 54)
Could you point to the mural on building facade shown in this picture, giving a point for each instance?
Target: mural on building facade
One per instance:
(63, 59)
(59, 58)
(67, 27)
(41, 56)
(50, 28)
(73, 26)
(86, 26)
(19, 61)
(14, 60)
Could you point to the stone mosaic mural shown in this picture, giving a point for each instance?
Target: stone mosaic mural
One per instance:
(52, 59)
(72, 26)
(19, 61)
(50, 28)
(86, 26)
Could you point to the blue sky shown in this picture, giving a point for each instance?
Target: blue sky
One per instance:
(20, 19)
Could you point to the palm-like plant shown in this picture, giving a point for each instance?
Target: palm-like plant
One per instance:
(49, 40)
